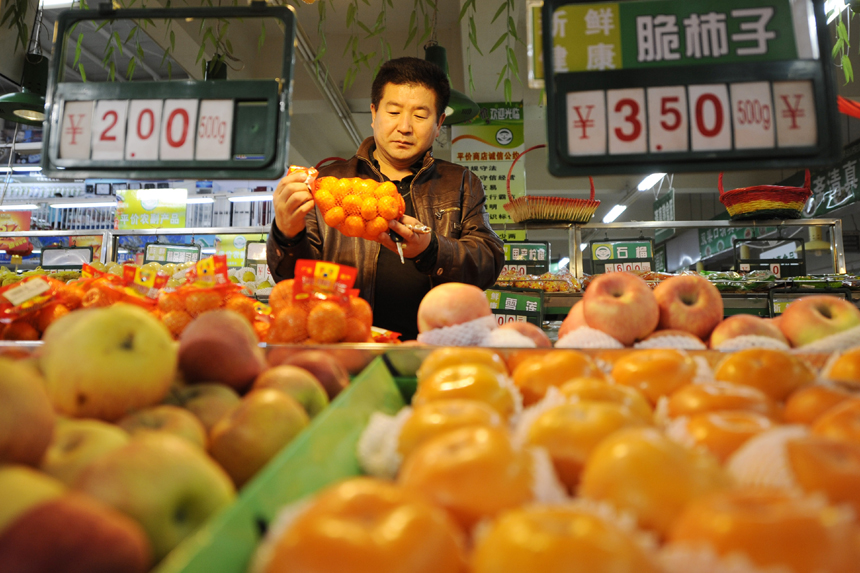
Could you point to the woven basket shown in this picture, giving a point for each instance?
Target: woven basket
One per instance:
(766, 201)
(536, 209)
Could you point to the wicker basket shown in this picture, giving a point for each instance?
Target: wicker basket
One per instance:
(765, 201)
(536, 209)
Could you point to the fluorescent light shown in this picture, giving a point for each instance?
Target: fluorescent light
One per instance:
(650, 181)
(614, 212)
(246, 198)
(835, 6)
(208, 251)
(583, 246)
(5, 170)
(199, 200)
(26, 168)
(22, 207)
(83, 205)
(563, 262)
(56, 3)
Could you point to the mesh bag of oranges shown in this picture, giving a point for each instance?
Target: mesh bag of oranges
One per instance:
(357, 207)
(319, 306)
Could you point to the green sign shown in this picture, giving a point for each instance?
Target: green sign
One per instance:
(621, 251)
(534, 41)
(660, 259)
(515, 306)
(167, 253)
(527, 258)
(664, 210)
(715, 241)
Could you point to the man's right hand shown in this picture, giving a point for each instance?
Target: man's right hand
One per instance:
(292, 200)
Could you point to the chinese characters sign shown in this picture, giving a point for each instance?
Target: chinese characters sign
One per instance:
(12, 222)
(515, 306)
(622, 256)
(672, 85)
(527, 258)
(833, 188)
(150, 208)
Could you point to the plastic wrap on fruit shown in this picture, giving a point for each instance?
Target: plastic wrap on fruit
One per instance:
(358, 207)
(310, 174)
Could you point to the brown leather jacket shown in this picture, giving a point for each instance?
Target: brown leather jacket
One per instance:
(447, 197)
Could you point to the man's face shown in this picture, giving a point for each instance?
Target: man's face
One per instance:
(405, 124)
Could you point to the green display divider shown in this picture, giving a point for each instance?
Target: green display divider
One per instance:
(324, 453)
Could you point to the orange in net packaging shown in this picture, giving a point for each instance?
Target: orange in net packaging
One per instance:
(358, 207)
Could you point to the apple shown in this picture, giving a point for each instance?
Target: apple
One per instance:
(253, 432)
(622, 305)
(452, 303)
(221, 346)
(209, 402)
(106, 362)
(166, 418)
(24, 488)
(690, 303)
(296, 382)
(26, 416)
(330, 373)
(164, 483)
(745, 325)
(530, 331)
(77, 443)
(574, 319)
(74, 534)
(814, 317)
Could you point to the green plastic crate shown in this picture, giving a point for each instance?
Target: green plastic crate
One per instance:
(324, 453)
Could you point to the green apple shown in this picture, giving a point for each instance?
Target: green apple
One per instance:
(296, 382)
(209, 402)
(26, 416)
(253, 432)
(166, 418)
(77, 443)
(106, 362)
(164, 483)
(23, 488)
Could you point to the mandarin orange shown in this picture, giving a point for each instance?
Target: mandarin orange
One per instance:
(327, 323)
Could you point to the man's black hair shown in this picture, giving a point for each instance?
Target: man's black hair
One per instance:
(412, 71)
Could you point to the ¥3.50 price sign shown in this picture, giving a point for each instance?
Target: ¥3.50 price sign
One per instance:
(222, 129)
(669, 85)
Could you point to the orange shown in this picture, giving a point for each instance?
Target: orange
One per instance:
(655, 372)
(327, 323)
(389, 208)
(71, 296)
(514, 358)
(49, 314)
(846, 368)
(334, 216)
(176, 321)
(770, 526)
(100, 295)
(535, 375)
(841, 422)
(569, 433)
(326, 183)
(470, 382)
(368, 208)
(386, 189)
(373, 526)
(281, 295)
(168, 301)
(474, 472)
(556, 539)
(353, 226)
(715, 396)
(436, 418)
(827, 465)
(290, 326)
(598, 390)
(241, 304)
(261, 327)
(365, 187)
(351, 204)
(373, 228)
(777, 373)
(202, 301)
(457, 355)
(20, 330)
(723, 432)
(641, 471)
(360, 309)
(356, 330)
(324, 200)
(807, 404)
(341, 189)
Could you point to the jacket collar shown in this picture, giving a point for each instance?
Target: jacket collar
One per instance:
(365, 152)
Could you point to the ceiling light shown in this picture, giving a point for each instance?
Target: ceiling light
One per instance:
(21, 207)
(26, 168)
(28, 105)
(246, 198)
(650, 181)
(562, 262)
(583, 246)
(83, 205)
(614, 212)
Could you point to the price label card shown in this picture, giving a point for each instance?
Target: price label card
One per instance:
(774, 269)
(586, 123)
(628, 132)
(26, 290)
(214, 129)
(794, 106)
(144, 126)
(752, 117)
(109, 129)
(179, 130)
(710, 117)
(75, 130)
(667, 119)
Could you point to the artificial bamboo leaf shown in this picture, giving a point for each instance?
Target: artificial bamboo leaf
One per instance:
(131, 33)
(366, 2)
(200, 51)
(118, 42)
(112, 72)
(363, 26)
(499, 42)
(78, 51)
(501, 76)
(169, 69)
(102, 25)
(842, 31)
(847, 69)
(140, 51)
(512, 28)
(350, 15)
(498, 13)
(262, 36)
(83, 72)
(132, 63)
(473, 35)
(508, 90)
(172, 40)
(837, 48)
(463, 10)
(512, 58)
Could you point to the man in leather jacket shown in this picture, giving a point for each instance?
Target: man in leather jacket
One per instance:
(408, 99)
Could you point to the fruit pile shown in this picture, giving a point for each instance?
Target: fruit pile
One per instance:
(547, 282)
(633, 460)
(116, 442)
(358, 207)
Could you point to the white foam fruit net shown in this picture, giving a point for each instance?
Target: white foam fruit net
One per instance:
(585, 337)
(471, 333)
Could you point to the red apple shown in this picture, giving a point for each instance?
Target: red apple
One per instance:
(26, 415)
(166, 418)
(814, 317)
(323, 367)
(452, 303)
(574, 319)
(209, 402)
(622, 305)
(745, 325)
(690, 303)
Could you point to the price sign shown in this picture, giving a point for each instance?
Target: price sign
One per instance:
(526, 257)
(692, 85)
(189, 129)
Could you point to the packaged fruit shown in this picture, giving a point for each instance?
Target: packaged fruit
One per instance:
(358, 207)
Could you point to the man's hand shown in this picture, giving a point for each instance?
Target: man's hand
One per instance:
(292, 200)
(413, 243)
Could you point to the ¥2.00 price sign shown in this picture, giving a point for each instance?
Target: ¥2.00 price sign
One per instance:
(667, 85)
